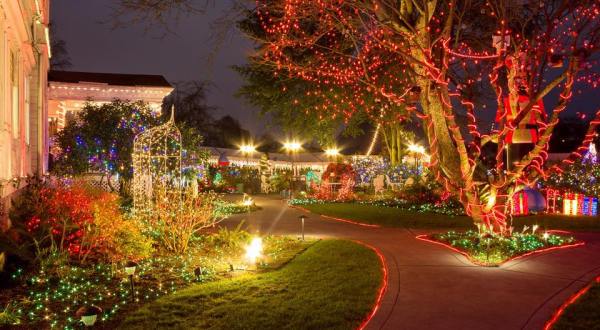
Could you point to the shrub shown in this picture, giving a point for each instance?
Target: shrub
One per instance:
(112, 237)
(74, 222)
(229, 242)
(176, 219)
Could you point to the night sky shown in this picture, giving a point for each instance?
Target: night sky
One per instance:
(95, 46)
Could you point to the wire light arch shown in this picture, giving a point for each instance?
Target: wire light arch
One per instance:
(157, 164)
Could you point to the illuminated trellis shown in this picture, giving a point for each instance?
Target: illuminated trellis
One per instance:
(156, 164)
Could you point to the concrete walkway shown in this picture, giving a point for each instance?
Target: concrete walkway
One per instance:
(431, 287)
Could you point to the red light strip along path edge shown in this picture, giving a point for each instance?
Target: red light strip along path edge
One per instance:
(382, 288)
(384, 267)
(426, 239)
(550, 323)
(337, 219)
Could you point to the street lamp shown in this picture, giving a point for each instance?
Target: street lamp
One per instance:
(332, 152)
(247, 149)
(292, 147)
(417, 151)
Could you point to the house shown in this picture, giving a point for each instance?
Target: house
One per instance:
(68, 91)
(24, 61)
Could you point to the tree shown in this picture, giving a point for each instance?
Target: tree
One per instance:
(296, 105)
(396, 138)
(443, 52)
(100, 138)
(191, 108)
(228, 133)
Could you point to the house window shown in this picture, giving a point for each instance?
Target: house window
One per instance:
(14, 80)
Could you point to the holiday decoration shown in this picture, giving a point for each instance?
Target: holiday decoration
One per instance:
(157, 163)
(578, 204)
(425, 55)
(486, 249)
(591, 156)
(520, 204)
(572, 203)
(337, 183)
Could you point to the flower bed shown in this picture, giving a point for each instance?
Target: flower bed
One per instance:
(50, 297)
(493, 250)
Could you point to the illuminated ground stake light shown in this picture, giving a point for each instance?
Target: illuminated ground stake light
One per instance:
(130, 271)
(302, 218)
(89, 315)
(254, 250)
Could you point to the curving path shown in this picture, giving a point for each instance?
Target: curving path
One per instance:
(431, 287)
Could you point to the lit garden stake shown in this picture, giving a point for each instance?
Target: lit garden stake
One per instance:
(89, 315)
(198, 273)
(254, 250)
(302, 218)
(130, 271)
(247, 201)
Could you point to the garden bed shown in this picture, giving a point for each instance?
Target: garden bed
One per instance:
(494, 250)
(50, 297)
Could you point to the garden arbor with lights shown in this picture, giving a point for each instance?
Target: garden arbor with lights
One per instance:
(434, 58)
(156, 165)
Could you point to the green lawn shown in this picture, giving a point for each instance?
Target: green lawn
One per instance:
(332, 285)
(394, 217)
(389, 216)
(584, 314)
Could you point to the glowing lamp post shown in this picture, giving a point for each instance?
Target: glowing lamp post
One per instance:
(292, 147)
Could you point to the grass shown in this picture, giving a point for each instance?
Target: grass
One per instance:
(389, 216)
(57, 292)
(584, 314)
(332, 285)
(395, 217)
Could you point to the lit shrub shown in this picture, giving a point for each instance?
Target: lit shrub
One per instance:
(176, 218)
(112, 237)
(75, 222)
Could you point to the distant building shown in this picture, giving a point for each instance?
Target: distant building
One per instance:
(24, 62)
(68, 91)
(303, 160)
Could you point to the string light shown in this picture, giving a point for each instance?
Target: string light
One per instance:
(395, 66)
(156, 162)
